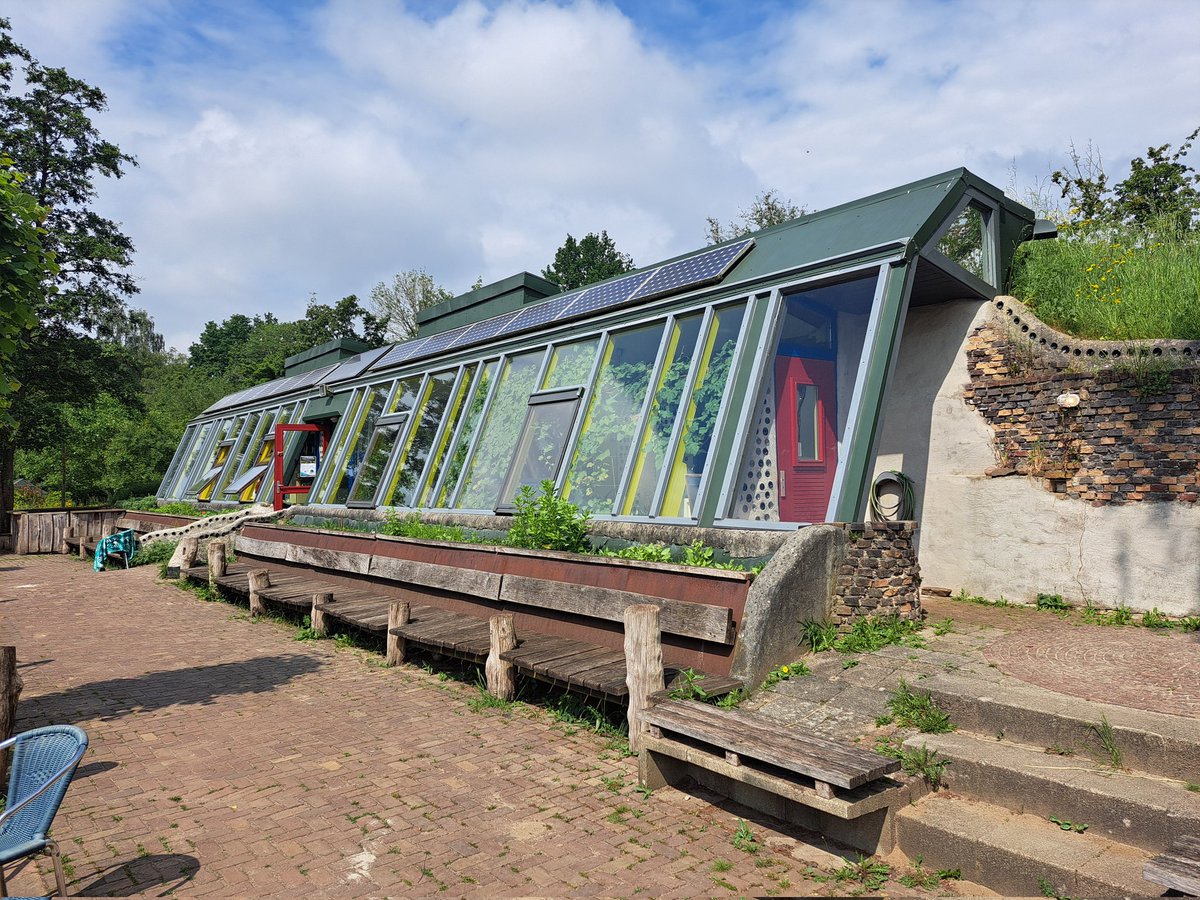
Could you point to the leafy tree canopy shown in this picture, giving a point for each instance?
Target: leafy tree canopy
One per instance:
(592, 259)
(399, 302)
(767, 209)
(1161, 190)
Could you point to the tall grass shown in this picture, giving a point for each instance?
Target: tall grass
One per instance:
(1113, 282)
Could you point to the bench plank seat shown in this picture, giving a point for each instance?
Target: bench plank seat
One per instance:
(751, 738)
(446, 631)
(1179, 869)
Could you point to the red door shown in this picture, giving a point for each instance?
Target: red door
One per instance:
(805, 400)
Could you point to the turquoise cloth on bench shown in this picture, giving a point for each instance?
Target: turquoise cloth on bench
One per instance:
(123, 542)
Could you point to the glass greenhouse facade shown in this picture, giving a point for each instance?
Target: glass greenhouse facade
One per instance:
(741, 385)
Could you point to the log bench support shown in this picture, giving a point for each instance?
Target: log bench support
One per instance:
(259, 581)
(501, 674)
(317, 616)
(398, 615)
(643, 665)
(1179, 869)
(216, 563)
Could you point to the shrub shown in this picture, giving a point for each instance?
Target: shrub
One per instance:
(547, 522)
(411, 526)
(159, 552)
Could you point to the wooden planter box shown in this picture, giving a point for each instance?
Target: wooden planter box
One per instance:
(345, 554)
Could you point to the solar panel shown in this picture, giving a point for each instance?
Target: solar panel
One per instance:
(606, 295)
(488, 328)
(705, 268)
(439, 342)
(533, 316)
(400, 353)
(355, 365)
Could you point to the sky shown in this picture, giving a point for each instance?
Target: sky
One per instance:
(296, 148)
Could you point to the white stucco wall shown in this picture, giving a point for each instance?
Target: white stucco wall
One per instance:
(1009, 536)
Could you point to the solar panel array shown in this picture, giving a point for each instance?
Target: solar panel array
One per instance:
(696, 271)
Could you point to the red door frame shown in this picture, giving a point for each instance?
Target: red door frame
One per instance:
(282, 490)
(796, 475)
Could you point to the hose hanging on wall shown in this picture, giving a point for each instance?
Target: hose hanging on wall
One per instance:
(904, 507)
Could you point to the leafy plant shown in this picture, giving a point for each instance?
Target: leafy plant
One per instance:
(1190, 623)
(784, 672)
(916, 709)
(547, 522)
(921, 762)
(159, 552)
(1076, 827)
(743, 838)
(820, 636)
(1155, 619)
(1052, 602)
(731, 700)
(944, 627)
(689, 688)
(647, 552)
(697, 554)
(411, 526)
(305, 632)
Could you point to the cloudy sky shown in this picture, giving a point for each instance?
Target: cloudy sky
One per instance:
(297, 147)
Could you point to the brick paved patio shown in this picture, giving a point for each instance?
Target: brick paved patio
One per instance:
(229, 760)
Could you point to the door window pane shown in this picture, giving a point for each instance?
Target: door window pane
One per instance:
(691, 456)
(501, 430)
(612, 418)
(329, 470)
(808, 423)
(667, 399)
(420, 440)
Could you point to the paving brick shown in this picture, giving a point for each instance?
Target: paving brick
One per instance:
(227, 759)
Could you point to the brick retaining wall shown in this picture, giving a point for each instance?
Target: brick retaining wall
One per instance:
(1134, 436)
(880, 575)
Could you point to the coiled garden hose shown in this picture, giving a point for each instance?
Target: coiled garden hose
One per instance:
(905, 506)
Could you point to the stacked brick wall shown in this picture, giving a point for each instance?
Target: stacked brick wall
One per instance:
(1134, 435)
(880, 575)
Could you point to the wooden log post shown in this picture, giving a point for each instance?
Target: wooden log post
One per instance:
(319, 602)
(69, 534)
(398, 614)
(501, 674)
(643, 665)
(216, 562)
(260, 580)
(10, 692)
(184, 557)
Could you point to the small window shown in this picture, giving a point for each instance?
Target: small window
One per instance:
(808, 423)
(964, 242)
(539, 454)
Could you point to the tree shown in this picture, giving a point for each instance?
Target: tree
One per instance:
(24, 267)
(1161, 190)
(398, 303)
(592, 259)
(767, 209)
(323, 323)
(46, 128)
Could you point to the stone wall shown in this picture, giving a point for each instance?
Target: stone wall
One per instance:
(1134, 435)
(880, 575)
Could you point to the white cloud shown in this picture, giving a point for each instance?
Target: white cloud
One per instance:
(284, 153)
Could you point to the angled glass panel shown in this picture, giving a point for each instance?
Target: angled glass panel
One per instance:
(195, 458)
(440, 453)
(248, 447)
(337, 445)
(189, 435)
(260, 452)
(612, 418)
(691, 455)
(383, 440)
(500, 432)
(356, 440)
(419, 441)
(543, 441)
(465, 435)
(570, 364)
(171, 488)
(667, 399)
(202, 487)
(964, 241)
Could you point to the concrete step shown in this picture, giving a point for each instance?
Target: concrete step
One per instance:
(1145, 811)
(1148, 741)
(1017, 855)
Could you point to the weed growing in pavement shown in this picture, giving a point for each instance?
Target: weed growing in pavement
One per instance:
(1056, 750)
(731, 700)
(1076, 827)
(689, 688)
(1155, 619)
(929, 881)
(721, 865)
(963, 597)
(921, 762)
(865, 635)
(1190, 623)
(1048, 889)
(866, 870)
(1105, 733)
(1195, 788)
(743, 838)
(786, 672)
(944, 627)
(1052, 603)
(916, 709)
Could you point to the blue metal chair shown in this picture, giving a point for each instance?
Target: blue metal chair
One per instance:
(43, 761)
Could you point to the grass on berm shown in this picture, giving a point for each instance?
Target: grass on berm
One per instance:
(1110, 282)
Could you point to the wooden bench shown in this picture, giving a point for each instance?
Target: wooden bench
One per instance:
(1179, 869)
(578, 665)
(835, 777)
(85, 544)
